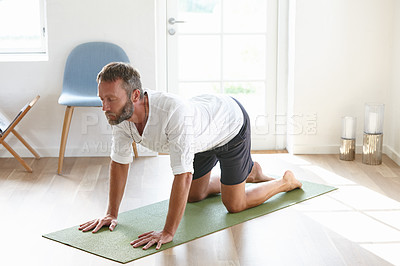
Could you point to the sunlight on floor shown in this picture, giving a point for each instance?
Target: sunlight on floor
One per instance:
(329, 177)
(357, 213)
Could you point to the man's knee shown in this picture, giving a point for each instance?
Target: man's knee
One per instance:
(234, 207)
(195, 197)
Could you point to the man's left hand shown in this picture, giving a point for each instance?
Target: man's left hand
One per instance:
(150, 238)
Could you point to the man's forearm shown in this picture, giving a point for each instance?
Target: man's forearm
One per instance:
(177, 202)
(118, 177)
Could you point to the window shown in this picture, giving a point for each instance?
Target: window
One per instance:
(23, 30)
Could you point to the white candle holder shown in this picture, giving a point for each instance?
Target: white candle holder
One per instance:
(348, 138)
(373, 133)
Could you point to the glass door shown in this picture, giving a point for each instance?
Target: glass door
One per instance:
(226, 46)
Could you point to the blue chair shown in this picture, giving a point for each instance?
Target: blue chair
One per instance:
(80, 86)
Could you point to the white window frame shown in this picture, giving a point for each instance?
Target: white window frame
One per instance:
(11, 54)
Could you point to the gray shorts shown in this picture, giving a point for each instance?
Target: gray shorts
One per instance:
(234, 157)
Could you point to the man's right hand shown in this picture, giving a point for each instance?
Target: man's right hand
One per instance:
(108, 220)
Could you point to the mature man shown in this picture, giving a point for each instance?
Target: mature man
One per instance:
(197, 133)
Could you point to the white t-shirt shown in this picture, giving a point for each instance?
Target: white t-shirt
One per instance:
(180, 127)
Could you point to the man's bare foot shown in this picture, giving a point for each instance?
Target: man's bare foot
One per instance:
(256, 175)
(290, 181)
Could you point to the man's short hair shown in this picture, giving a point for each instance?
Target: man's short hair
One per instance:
(118, 70)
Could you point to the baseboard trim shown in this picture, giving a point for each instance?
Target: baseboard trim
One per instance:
(334, 149)
(391, 153)
(297, 149)
(327, 149)
(70, 152)
(268, 151)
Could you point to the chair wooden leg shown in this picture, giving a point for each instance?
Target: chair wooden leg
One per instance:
(24, 164)
(29, 147)
(135, 149)
(64, 136)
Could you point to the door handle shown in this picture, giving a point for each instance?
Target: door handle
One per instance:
(172, 21)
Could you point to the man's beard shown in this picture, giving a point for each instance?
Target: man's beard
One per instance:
(125, 114)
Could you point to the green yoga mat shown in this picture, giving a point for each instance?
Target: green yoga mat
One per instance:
(200, 219)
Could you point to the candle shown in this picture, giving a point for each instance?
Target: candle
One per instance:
(349, 127)
(373, 123)
(373, 118)
(348, 134)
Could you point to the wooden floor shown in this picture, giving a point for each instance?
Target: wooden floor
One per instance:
(358, 224)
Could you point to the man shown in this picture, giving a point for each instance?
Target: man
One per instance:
(197, 133)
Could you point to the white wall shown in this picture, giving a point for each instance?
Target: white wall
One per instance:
(128, 23)
(393, 108)
(343, 58)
